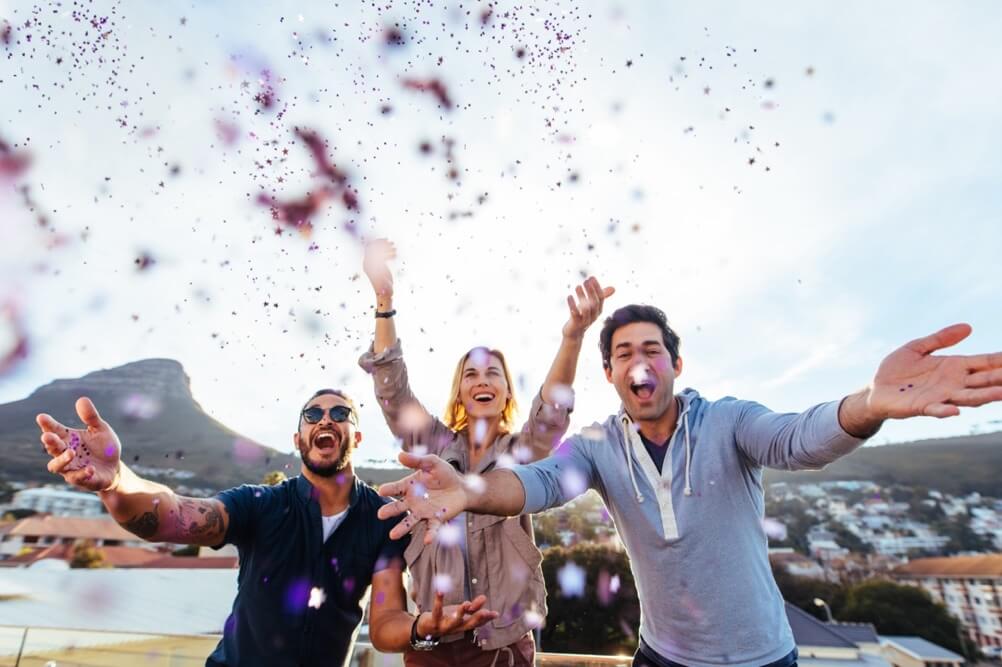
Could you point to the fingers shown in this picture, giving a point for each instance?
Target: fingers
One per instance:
(80, 477)
(54, 445)
(88, 414)
(397, 488)
(945, 337)
(476, 604)
(573, 307)
(390, 510)
(57, 464)
(972, 398)
(482, 617)
(432, 533)
(983, 362)
(403, 527)
(436, 610)
(990, 378)
(50, 425)
(415, 462)
(941, 410)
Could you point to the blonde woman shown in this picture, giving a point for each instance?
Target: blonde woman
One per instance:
(476, 554)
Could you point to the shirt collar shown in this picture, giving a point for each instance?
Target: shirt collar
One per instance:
(305, 490)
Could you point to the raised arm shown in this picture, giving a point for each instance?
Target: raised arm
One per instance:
(378, 254)
(404, 414)
(548, 417)
(90, 459)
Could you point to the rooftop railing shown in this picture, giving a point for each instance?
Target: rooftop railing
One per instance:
(62, 647)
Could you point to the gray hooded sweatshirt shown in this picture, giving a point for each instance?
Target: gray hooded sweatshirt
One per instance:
(694, 532)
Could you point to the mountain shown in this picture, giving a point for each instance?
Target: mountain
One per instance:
(958, 465)
(149, 403)
(150, 406)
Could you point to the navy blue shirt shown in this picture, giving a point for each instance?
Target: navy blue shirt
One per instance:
(298, 597)
(656, 451)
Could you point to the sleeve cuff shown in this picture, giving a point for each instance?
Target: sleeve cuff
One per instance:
(369, 360)
(837, 439)
(535, 494)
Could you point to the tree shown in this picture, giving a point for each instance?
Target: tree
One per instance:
(962, 538)
(87, 555)
(793, 514)
(848, 539)
(896, 609)
(801, 592)
(274, 477)
(600, 618)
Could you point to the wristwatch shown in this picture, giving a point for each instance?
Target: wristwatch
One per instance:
(421, 644)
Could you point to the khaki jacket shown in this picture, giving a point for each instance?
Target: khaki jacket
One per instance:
(504, 563)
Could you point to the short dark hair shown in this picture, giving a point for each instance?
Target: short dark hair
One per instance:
(328, 392)
(637, 313)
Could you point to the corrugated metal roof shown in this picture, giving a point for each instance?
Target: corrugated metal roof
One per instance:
(809, 631)
(856, 632)
(89, 528)
(921, 648)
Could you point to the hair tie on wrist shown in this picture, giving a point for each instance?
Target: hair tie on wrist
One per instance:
(388, 313)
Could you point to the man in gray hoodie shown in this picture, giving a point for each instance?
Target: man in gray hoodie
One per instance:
(682, 478)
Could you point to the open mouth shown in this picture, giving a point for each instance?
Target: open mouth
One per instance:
(325, 440)
(483, 397)
(642, 390)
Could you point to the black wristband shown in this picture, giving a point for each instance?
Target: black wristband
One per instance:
(388, 313)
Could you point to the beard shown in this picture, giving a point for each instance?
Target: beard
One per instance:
(330, 469)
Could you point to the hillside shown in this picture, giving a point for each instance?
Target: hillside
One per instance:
(149, 403)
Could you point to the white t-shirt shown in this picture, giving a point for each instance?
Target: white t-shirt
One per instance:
(332, 522)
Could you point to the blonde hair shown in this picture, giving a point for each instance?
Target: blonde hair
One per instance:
(455, 412)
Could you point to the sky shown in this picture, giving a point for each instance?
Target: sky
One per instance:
(802, 187)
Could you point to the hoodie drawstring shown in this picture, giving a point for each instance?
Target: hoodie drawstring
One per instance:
(688, 452)
(627, 449)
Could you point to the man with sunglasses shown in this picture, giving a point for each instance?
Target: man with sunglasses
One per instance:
(309, 547)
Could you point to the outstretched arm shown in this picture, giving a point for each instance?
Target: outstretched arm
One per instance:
(912, 381)
(436, 492)
(90, 459)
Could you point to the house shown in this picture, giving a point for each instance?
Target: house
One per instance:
(825, 644)
(58, 501)
(44, 531)
(917, 652)
(969, 586)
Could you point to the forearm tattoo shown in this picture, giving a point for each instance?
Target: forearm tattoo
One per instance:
(144, 525)
(197, 518)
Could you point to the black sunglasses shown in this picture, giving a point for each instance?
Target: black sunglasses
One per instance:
(315, 413)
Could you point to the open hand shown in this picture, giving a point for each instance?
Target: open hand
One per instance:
(435, 493)
(911, 381)
(587, 308)
(87, 458)
(378, 254)
(455, 618)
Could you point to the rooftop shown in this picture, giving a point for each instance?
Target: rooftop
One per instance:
(921, 649)
(986, 565)
(81, 528)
